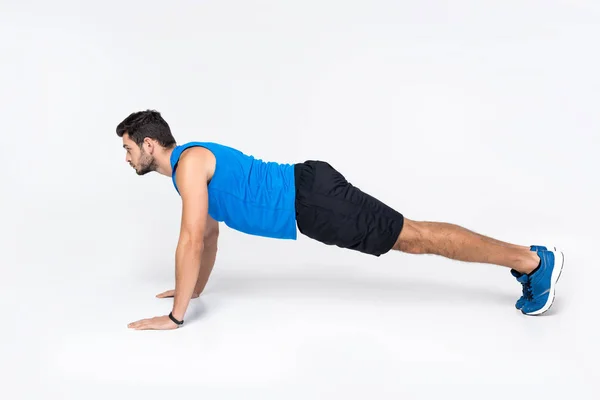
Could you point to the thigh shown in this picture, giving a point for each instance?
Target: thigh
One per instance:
(335, 212)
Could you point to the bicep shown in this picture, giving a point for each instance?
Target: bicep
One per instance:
(193, 216)
(194, 196)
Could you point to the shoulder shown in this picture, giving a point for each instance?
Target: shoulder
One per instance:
(196, 165)
(194, 154)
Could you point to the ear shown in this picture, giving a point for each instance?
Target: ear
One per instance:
(148, 145)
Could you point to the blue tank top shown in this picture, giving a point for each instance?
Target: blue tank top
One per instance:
(248, 194)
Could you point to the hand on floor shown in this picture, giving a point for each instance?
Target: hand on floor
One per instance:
(156, 323)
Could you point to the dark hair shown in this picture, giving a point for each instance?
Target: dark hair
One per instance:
(146, 124)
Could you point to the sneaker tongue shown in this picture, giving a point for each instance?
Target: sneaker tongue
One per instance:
(524, 278)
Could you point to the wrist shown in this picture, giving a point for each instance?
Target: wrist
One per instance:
(176, 318)
(177, 314)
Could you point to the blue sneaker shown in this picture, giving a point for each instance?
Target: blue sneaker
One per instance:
(525, 281)
(542, 283)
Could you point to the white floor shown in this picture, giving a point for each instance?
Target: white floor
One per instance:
(402, 325)
(483, 114)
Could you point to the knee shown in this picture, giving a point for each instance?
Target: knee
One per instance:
(411, 247)
(413, 238)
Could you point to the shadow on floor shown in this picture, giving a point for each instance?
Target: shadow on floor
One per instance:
(328, 285)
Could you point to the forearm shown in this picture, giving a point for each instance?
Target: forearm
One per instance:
(188, 257)
(209, 256)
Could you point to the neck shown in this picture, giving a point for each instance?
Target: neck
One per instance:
(163, 162)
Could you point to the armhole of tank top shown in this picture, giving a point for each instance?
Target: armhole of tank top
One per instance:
(174, 177)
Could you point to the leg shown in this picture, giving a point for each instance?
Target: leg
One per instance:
(458, 243)
(333, 211)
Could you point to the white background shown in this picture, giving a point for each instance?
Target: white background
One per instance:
(480, 113)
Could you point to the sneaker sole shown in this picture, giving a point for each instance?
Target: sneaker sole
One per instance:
(559, 257)
(556, 250)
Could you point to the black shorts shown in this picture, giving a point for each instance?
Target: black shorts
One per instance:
(333, 211)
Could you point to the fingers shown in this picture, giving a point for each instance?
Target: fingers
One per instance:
(171, 293)
(136, 324)
(141, 324)
(168, 293)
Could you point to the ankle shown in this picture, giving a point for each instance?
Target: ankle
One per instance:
(529, 263)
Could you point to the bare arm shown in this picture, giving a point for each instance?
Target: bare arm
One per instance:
(192, 178)
(209, 255)
(194, 194)
(207, 261)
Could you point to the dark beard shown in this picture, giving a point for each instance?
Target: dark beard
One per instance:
(146, 165)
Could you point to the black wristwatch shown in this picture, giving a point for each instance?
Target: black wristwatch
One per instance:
(175, 320)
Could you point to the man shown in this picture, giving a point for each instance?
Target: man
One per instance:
(218, 183)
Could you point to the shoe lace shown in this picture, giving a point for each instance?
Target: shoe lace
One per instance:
(527, 291)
